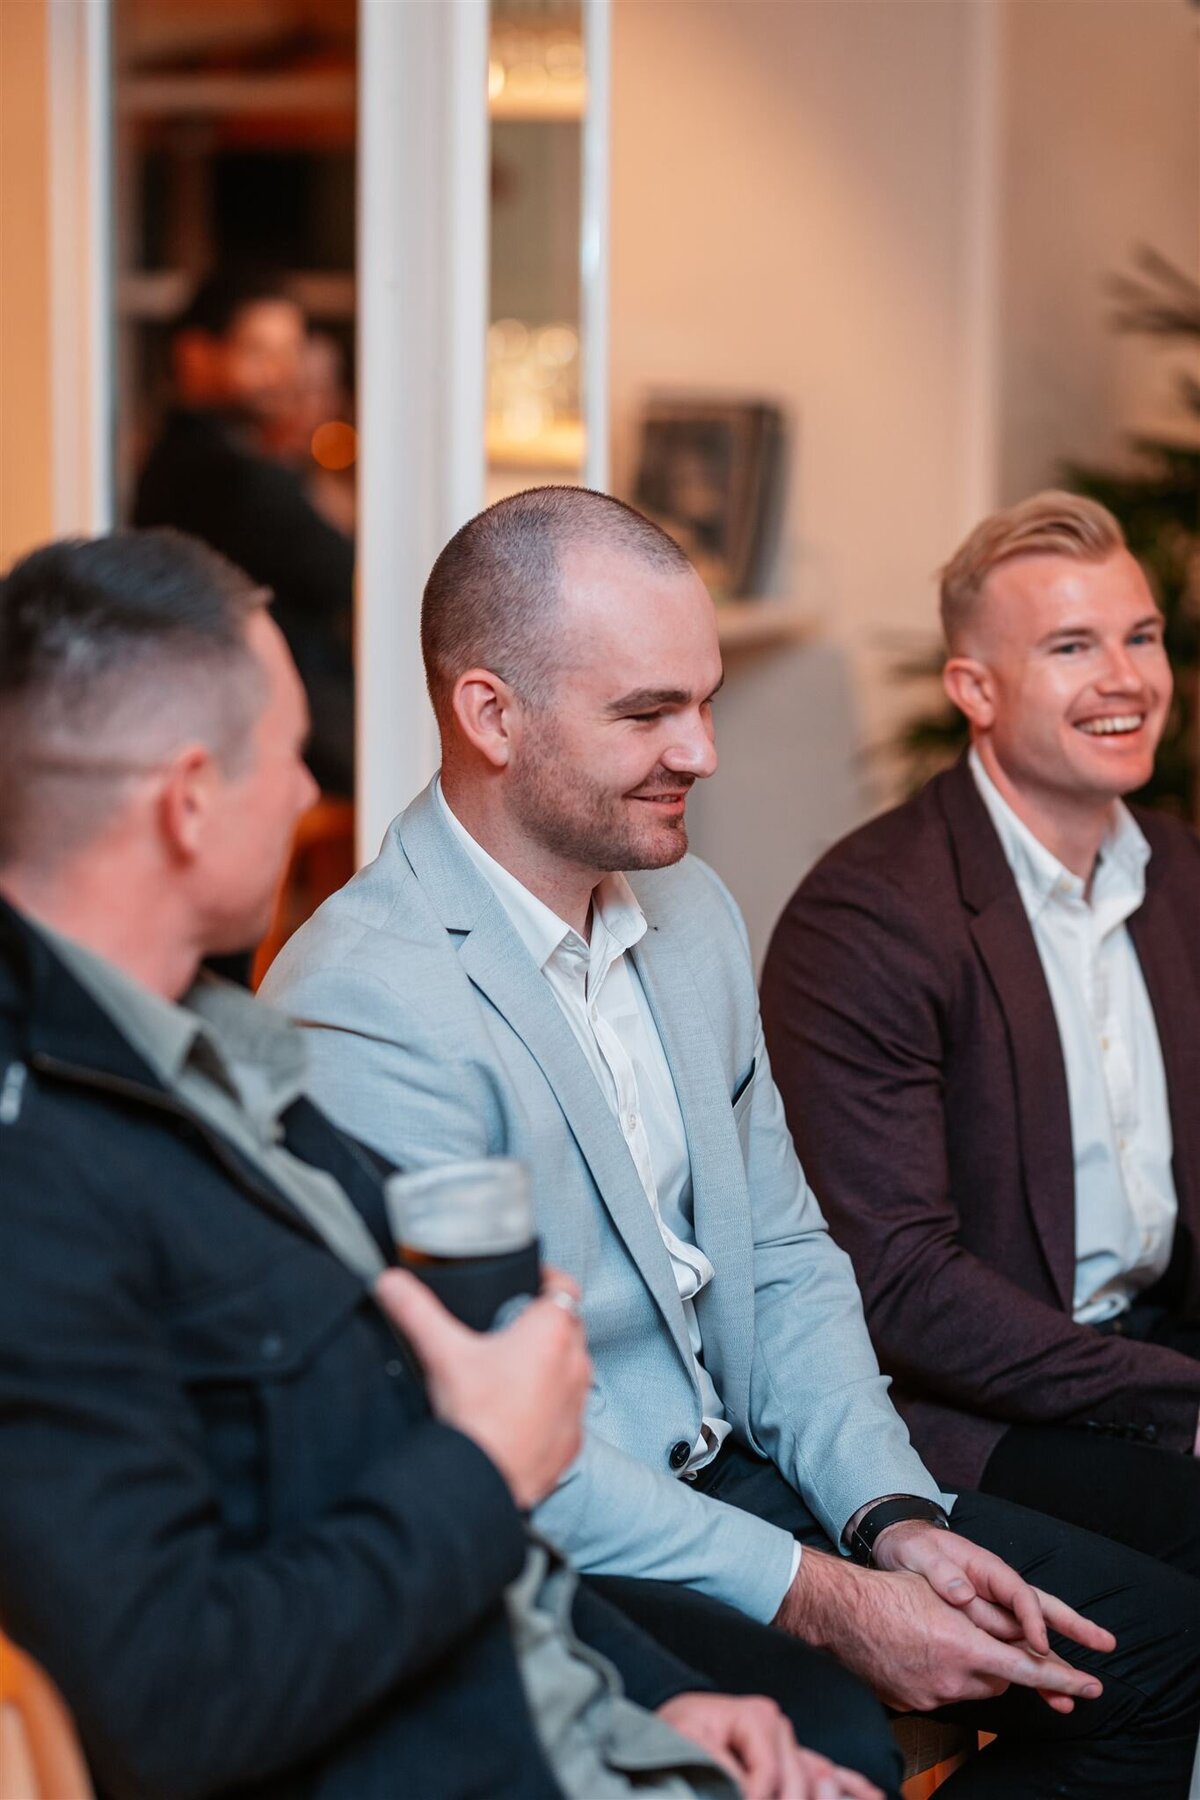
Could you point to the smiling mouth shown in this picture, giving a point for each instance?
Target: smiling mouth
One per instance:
(1121, 725)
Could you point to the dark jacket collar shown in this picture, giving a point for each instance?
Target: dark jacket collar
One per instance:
(983, 872)
(52, 1015)
(984, 876)
(49, 1020)
(1005, 942)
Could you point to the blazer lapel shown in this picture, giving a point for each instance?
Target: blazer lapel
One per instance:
(721, 1218)
(1166, 965)
(498, 964)
(1005, 941)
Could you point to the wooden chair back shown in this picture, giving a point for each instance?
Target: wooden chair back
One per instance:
(40, 1758)
(322, 860)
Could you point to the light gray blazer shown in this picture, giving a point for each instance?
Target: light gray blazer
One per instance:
(435, 1036)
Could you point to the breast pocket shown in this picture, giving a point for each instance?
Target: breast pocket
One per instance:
(251, 1359)
(743, 1100)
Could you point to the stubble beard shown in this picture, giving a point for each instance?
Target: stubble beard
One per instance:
(585, 824)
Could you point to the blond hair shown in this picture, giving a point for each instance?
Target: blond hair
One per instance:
(1052, 523)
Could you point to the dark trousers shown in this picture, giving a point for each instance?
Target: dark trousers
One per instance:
(831, 1710)
(1137, 1740)
(1139, 1495)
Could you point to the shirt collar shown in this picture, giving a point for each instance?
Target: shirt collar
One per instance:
(1040, 876)
(541, 930)
(254, 1051)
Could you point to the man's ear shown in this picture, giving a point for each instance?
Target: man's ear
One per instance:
(485, 709)
(969, 685)
(187, 801)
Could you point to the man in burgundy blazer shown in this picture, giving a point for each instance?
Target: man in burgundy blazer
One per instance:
(917, 1046)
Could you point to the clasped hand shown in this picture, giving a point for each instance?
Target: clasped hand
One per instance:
(940, 1620)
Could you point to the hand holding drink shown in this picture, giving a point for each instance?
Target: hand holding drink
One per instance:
(467, 1229)
(466, 1232)
(519, 1393)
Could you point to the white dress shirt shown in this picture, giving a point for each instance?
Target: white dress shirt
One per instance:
(602, 999)
(1125, 1203)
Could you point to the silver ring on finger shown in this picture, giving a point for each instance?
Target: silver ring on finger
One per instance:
(568, 1303)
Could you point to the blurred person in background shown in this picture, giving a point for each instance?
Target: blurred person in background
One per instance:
(314, 437)
(238, 365)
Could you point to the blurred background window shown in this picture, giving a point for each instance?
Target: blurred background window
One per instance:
(537, 97)
(235, 147)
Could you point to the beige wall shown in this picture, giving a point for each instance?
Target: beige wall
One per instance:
(791, 217)
(1101, 152)
(25, 464)
(896, 217)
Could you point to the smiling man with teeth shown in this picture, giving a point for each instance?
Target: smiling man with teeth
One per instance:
(984, 1011)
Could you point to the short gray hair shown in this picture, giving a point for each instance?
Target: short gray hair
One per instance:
(115, 651)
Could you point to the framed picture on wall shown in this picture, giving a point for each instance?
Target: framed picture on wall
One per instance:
(709, 472)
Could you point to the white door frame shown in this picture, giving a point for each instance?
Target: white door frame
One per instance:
(594, 233)
(422, 337)
(423, 273)
(79, 127)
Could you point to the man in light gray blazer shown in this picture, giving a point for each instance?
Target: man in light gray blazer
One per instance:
(534, 968)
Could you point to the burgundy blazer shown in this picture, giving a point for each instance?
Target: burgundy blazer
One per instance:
(914, 1042)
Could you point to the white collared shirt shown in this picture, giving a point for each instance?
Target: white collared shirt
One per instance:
(602, 999)
(1125, 1203)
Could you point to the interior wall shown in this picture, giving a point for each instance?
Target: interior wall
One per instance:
(1101, 135)
(26, 499)
(792, 218)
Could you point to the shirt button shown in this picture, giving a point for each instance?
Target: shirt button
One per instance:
(631, 1120)
(394, 1367)
(272, 1346)
(678, 1454)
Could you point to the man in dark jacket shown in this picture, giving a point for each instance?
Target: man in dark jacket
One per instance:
(236, 356)
(255, 1549)
(984, 1015)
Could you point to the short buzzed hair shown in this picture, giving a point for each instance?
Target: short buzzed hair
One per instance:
(114, 652)
(1052, 523)
(491, 595)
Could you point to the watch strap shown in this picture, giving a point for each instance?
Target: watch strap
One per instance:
(877, 1518)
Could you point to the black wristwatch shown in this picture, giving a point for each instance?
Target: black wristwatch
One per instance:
(877, 1518)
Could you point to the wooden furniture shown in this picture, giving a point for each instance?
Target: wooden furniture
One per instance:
(40, 1758)
(932, 1752)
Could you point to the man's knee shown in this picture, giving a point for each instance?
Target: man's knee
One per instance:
(1152, 1610)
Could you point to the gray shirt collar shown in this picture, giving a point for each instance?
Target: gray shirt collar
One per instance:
(252, 1050)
